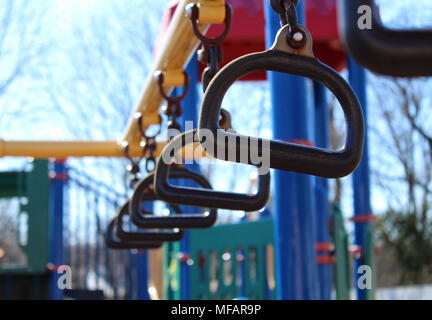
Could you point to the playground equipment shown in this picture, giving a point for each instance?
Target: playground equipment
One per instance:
(53, 233)
(239, 265)
(289, 256)
(32, 278)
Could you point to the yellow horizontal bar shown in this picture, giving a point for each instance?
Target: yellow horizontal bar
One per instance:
(66, 149)
(70, 149)
(178, 46)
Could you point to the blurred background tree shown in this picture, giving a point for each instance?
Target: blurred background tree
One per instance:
(405, 170)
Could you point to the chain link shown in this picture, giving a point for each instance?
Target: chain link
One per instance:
(148, 143)
(212, 67)
(133, 167)
(287, 10)
(211, 53)
(173, 108)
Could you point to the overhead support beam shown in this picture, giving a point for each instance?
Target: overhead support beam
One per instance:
(79, 149)
(178, 47)
(64, 149)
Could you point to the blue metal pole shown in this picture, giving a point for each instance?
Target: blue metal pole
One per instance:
(361, 184)
(142, 275)
(190, 113)
(142, 272)
(128, 276)
(296, 268)
(56, 221)
(322, 206)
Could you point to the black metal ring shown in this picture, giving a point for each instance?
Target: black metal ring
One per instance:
(201, 197)
(284, 155)
(113, 243)
(160, 235)
(194, 220)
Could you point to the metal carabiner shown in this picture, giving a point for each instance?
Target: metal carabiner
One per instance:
(283, 155)
(146, 220)
(192, 12)
(173, 108)
(159, 235)
(114, 243)
(133, 168)
(201, 197)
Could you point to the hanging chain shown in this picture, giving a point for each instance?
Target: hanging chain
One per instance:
(211, 53)
(133, 167)
(173, 108)
(287, 10)
(148, 143)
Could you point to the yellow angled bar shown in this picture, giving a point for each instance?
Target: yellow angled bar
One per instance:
(178, 46)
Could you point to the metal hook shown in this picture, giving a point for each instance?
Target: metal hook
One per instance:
(159, 75)
(139, 118)
(192, 12)
(133, 168)
(148, 143)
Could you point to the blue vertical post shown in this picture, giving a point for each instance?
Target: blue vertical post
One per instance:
(130, 276)
(361, 186)
(142, 275)
(296, 269)
(142, 267)
(322, 206)
(56, 225)
(189, 114)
